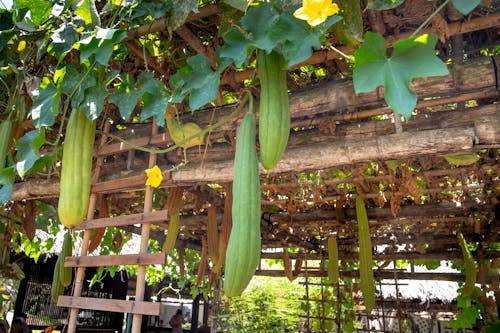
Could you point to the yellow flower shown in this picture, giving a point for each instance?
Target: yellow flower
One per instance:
(316, 12)
(154, 176)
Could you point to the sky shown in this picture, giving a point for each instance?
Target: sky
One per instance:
(6, 4)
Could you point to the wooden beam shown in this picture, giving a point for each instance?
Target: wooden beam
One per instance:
(337, 153)
(115, 260)
(389, 275)
(123, 220)
(343, 255)
(113, 305)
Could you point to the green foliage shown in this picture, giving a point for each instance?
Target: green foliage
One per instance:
(268, 304)
(266, 29)
(465, 6)
(470, 311)
(411, 58)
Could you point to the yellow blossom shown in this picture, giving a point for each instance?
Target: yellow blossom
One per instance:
(154, 176)
(316, 12)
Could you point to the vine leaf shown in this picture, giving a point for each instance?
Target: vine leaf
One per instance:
(28, 150)
(296, 38)
(180, 11)
(266, 30)
(196, 79)
(46, 103)
(154, 97)
(7, 178)
(258, 22)
(63, 39)
(411, 58)
(465, 6)
(125, 96)
(236, 47)
(101, 45)
(87, 10)
(39, 10)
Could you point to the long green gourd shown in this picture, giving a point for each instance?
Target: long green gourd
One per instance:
(243, 249)
(333, 260)
(5, 134)
(367, 282)
(274, 111)
(470, 267)
(76, 169)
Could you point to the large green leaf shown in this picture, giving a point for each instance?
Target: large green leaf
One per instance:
(296, 38)
(28, 150)
(46, 103)
(7, 178)
(179, 12)
(259, 22)
(74, 84)
(39, 10)
(411, 58)
(465, 6)
(87, 10)
(101, 45)
(63, 39)
(198, 79)
(236, 48)
(154, 97)
(125, 96)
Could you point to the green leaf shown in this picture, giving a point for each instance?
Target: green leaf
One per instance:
(154, 96)
(28, 150)
(63, 39)
(411, 58)
(465, 6)
(46, 104)
(7, 178)
(236, 48)
(259, 21)
(39, 10)
(383, 4)
(75, 83)
(125, 96)
(297, 39)
(87, 10)
(180, 12)
(93, 102)
(6, 19)
(197, 79)
(101, 45)
(239, 4)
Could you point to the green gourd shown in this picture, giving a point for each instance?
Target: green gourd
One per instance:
(5, 134)
(243, 249)
(274, 109)
(333, 260)
(367, 282)
(349, 31)
(66, 273)
(470, 267)
(76, 169)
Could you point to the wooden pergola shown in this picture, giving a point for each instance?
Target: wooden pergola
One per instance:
(342, 145)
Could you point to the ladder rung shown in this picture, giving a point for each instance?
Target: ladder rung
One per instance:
(115, 260)
(124, 220)
(113, 305)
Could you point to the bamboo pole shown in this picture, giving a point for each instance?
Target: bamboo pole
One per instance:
(80, 272)
(145, 229)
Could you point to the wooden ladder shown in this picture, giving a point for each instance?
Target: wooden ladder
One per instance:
(138, 307)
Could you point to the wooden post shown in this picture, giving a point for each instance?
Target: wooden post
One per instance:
(80, 272)
(145, 229)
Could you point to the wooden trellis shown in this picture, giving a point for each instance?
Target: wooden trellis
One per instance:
(138, 307)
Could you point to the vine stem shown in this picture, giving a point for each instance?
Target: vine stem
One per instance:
(179, 144)
(427, 20)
